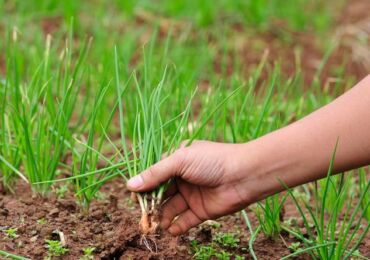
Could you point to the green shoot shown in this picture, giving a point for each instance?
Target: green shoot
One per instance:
(55, 248)
(366, 200)
(88, 253)
(149, 142)
(228, 240)
(330, 238)
(11, 233)
(12, 256)
(269, 215)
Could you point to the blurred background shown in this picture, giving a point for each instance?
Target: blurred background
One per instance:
(228, 36)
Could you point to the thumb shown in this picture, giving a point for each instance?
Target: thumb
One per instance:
(156, 174)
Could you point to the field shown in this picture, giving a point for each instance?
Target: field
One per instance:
(94, 92)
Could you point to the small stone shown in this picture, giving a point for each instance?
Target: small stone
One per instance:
(182, 248)
(33, 239)
(109, 234)
(54, 212)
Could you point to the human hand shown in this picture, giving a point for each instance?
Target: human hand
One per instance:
(206, 184)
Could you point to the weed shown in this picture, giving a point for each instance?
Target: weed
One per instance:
(88, 253)
(61, 191)
(295, 246)
(203, 252)
(11, 233)
(228, 240)
(55, 248)
(42, 221)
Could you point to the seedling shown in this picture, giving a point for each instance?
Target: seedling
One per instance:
(42, 221)
(11, 233)
(61, 191)
(211, 251)
(228, 240)
(88, 253)
(295, 246)
(269, 215)
(55, 248)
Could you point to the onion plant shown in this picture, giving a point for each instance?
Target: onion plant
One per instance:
(154, 137)
(269, 215)
(43, 109)
(86, 185)
(150, 141)
(342, 183)
(362, 186)
(335, 234)
(10, 159)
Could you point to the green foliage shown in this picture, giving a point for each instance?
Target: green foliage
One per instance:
(55, 248)
(208, 252)
(229, 240)
(331, 237)
(88, 253)
(219, 248)
(295, 246)
(65, 101)
(12, 256)
(11, 233)
(61, 191)
(363, 181)
(269, 215)
(41, 221)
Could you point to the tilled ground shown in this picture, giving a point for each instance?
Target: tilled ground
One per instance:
(112, 228)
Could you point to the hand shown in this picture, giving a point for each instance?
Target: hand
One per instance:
(206, 185)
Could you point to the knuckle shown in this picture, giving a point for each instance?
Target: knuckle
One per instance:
(180, 157)
(150, 174)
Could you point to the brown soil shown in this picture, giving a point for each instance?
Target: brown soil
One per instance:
(112, 227)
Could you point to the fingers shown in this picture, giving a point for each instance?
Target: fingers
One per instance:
(185, 221)
(156, 174)
(184, 143)
(171, 190)
(172, 208)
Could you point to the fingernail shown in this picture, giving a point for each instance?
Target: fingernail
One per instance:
(135, 182)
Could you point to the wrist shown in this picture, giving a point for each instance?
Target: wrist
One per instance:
(262, 167)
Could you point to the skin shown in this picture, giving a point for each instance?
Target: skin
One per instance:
(210, 180)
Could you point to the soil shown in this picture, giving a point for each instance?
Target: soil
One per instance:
(112, 228)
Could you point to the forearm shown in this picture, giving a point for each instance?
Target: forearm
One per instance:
(301, 152)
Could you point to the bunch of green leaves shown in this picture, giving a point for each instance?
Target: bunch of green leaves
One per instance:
(42, 111)
(55, 248)
(269, 215)
(342, 183)
(10, 158)
(152, 137)
(335, 233)
(362, 186)
(87, 177)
